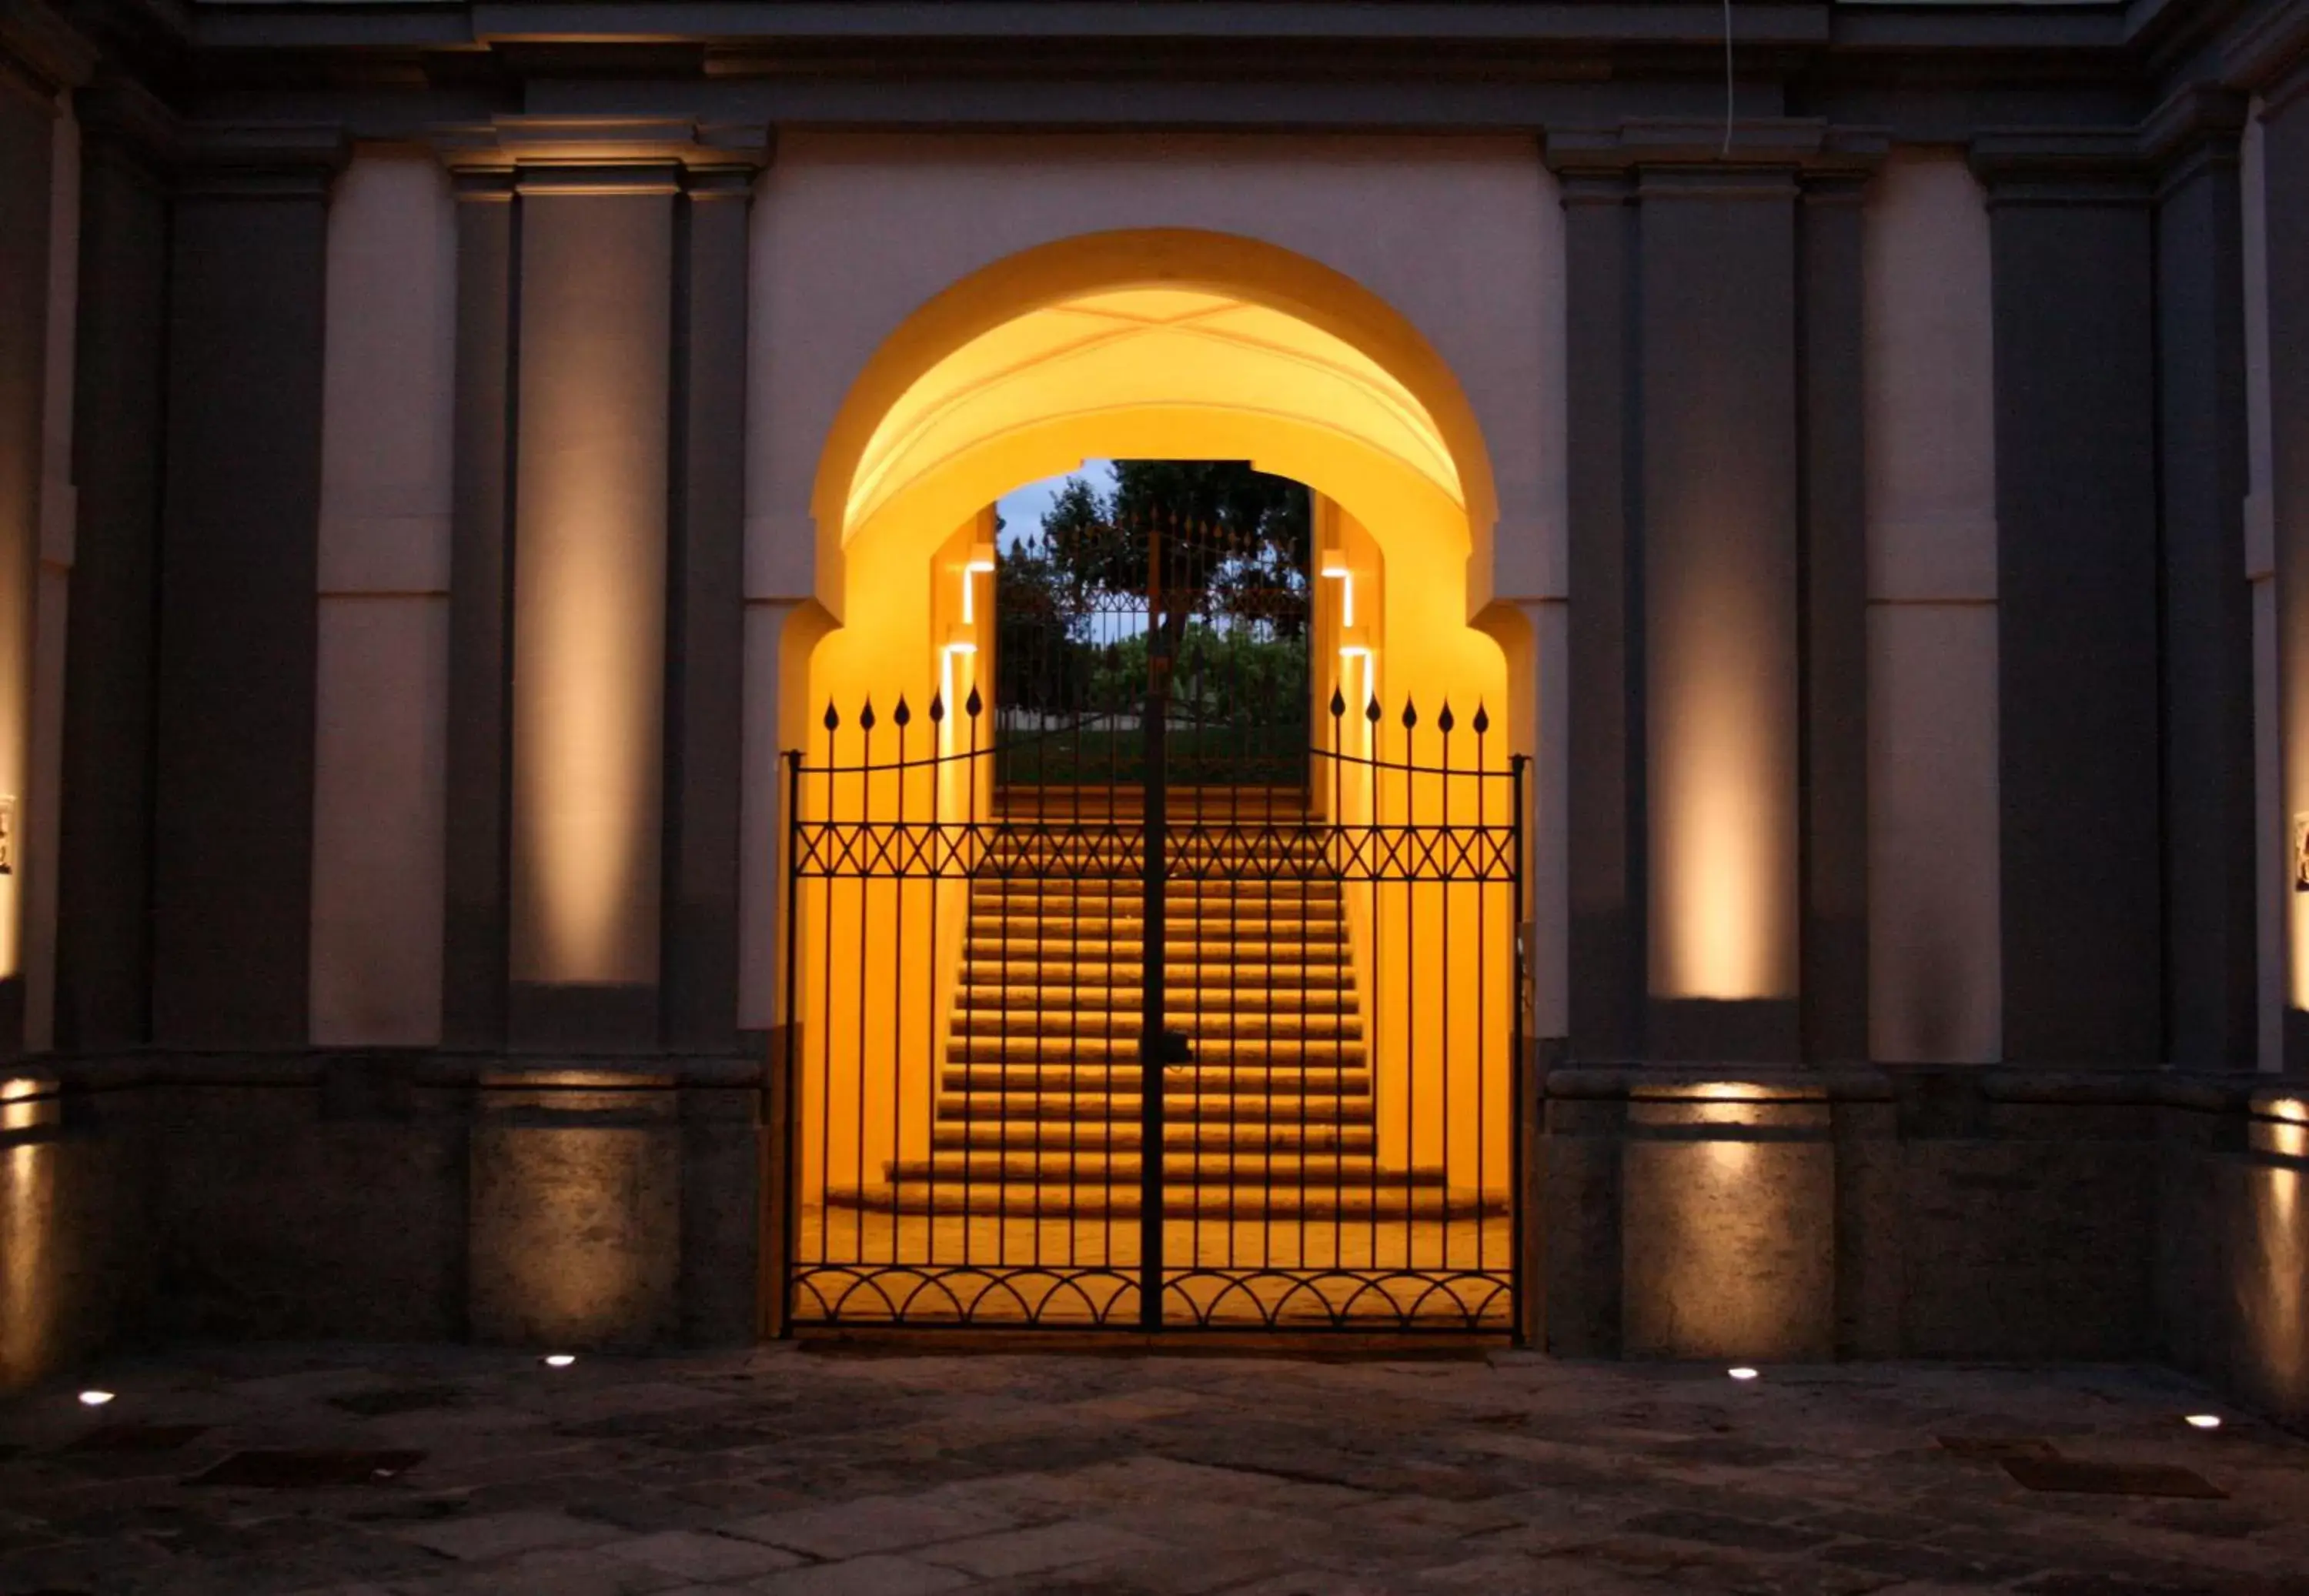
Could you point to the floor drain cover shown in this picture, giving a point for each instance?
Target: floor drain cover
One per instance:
(2110, 1480)
(138, 1437)
(291, 1470)
(1994, 1449)
(403, 1399)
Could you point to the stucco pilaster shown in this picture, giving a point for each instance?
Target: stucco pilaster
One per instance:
(105, 847)
(2284, 123)
(596, 661)
(1834, 562)
(2071, 243)
(2207, 611)
(1713, 358)
(233, 829)
(40, 59)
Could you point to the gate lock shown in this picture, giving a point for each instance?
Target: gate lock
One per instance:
(1174, 1048)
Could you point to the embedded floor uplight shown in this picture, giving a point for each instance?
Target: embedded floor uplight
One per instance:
(2204, 1421)
(1741, 1373)
(559, 1359)
(94, 1399)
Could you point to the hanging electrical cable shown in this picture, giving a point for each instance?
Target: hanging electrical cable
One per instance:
(1727, 80)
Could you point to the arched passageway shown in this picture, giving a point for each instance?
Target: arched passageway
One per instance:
(984, 975)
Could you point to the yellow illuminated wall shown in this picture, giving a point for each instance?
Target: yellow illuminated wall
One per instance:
(1150, 371)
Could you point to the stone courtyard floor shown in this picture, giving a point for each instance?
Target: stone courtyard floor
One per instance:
(792, 1473)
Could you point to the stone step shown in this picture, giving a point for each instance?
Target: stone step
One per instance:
(1077, 1047)
(1048, 971)
(1281, 1080)
(1058, 1013)
(1092, 1166)
(1304, 846)
(997, 891)
(1252, 1204)
(1057, 924)
(1074, 990)
(1102, 1109)
(1268, 952)
(1244, 1138)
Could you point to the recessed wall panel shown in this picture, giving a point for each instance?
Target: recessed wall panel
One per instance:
(380, 724)
(1935, 963)
(1719, 585)
(589, 597)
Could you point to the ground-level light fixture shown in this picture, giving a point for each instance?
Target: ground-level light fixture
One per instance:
(2203, 1421)
(94, 1399)
(559, 1359)
(1741, 1373)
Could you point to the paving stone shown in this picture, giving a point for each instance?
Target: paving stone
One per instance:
(1719, 1531)
(871, 1524)
(1923, 1562)
(1160, 1573)
(1033, 1550)
(503, 1534)
(863, 1576)
(1048, 1475)
(697, 1556)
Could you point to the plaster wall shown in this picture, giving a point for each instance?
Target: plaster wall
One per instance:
(1935, 975)
(852, 233)
(381, 734)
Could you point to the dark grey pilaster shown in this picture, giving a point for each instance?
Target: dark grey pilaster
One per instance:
(1834, 758)
(706, 630)
(1715, 321)
(2208, 821)
(233, 833)
(2285, 154)
(104, 943)
(481, 629)
(2076, 495)
(1605, 804)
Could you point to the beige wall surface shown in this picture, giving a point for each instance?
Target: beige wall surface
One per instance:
(382, 721)
(853, 233)
(1935, 963)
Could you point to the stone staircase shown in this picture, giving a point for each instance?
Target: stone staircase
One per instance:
(1272, 1117)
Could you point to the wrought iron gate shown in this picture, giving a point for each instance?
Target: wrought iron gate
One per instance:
(1172, 892)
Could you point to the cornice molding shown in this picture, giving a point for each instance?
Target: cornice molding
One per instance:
(42, 54)
(2200, 128)
(2195, 115)
(262, 159)
(1786, 146)
(2062, 166)
(2289, 87)
(2265, 55)
(536, 146)
(119, 116)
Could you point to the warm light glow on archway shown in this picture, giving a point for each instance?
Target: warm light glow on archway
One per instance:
(1160, 348)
